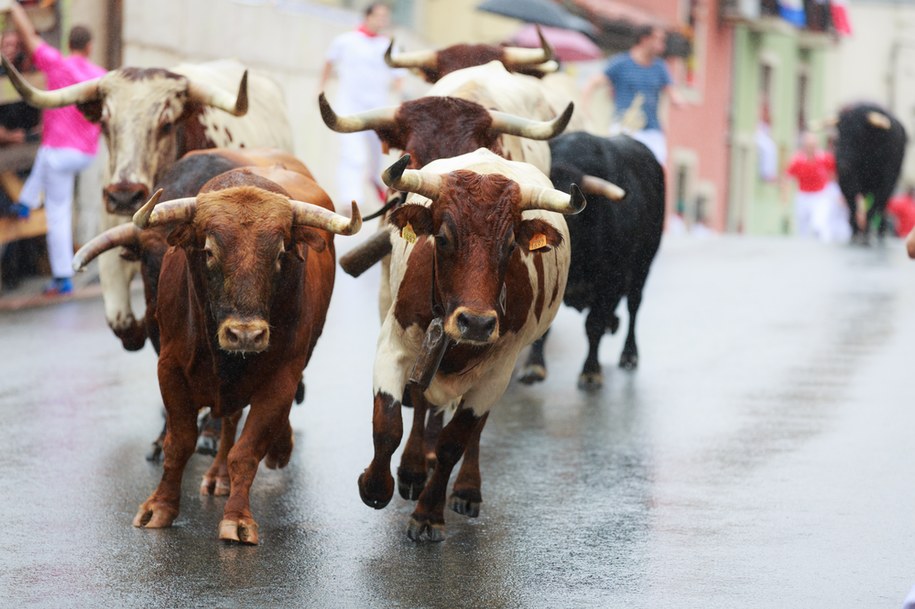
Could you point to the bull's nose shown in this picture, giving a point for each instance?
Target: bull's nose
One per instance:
(245, 336)
(125, 199)
(476, 327)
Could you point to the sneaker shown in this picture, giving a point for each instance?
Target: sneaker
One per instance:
(59, 286)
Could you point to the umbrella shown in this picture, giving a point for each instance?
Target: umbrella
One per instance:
(568, 45)
(544, 12)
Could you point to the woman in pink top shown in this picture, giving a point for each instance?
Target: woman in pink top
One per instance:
(68, 144)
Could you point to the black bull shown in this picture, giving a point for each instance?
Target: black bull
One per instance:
(613, 243)
(869, 151)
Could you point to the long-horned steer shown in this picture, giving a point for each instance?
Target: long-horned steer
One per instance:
(150, 117)
(243, 294)
(484, 252)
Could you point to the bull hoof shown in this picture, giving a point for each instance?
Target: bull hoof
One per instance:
(410, 484)
(155, 515)
(218, 486)
(155, 453)
(532, 374)
(466, 502)
(376, 494)
(589, 381)
(207, 444)
(421, 529)
(279, 452)
(613, 324)
(277, 461)
(243, 530)
(629, 361)
(133, 336)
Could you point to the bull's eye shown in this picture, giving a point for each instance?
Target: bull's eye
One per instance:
(210, 256)
(510, 243)
(166, 129)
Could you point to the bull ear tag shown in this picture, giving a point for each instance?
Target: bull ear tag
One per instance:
(538, 241)
(408, 234)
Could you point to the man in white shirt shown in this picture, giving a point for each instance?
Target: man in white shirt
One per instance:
(364, 82)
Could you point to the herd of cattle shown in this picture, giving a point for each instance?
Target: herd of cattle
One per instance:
(479, 245)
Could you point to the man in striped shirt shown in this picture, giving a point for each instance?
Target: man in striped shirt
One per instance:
(638, 79)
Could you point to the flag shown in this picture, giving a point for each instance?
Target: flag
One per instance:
(792, 11)
(840, 19)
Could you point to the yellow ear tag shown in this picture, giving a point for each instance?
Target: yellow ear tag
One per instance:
(538, 241)
(408, 234)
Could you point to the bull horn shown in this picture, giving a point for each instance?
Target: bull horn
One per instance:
(594, 185)
(550, 199)
(79, 93)
(309, 214)
(524, 56)
(878, 119)
(423, 183)
(218, 98)
(176, 210)
(364, 121)
(413, 59)
(547, 67)
(117, 236)
(825, 123)
(525, 127)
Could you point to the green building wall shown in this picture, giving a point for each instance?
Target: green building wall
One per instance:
(788, 56)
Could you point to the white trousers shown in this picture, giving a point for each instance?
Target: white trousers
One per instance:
(807, 208)
(360, 165)
(654, 139)
(656, 142)
(53, 175)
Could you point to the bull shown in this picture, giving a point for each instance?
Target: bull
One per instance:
(183, 179)
(536, 65)
(613, 244)
(150, 117)
(433, 65)
(243, 294)
(869, 151)
(485, 252)
(478, 107)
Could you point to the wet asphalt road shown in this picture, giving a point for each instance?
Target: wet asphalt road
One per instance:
(761, 456)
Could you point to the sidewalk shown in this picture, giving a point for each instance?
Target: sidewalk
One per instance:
(28, 294)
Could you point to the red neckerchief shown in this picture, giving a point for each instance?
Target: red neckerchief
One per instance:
(366, 31)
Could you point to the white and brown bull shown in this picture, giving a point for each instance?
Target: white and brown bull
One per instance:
(150, 117)
(243, 294)
(483, 250)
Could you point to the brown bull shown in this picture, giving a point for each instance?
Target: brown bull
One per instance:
(433, 65)
(183, 179)
(243, 294)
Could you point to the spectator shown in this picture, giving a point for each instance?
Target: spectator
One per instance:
(901, 209)
(813, 169)
(19, 123)
(69, 143)
(364, 82)
(638, 79)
